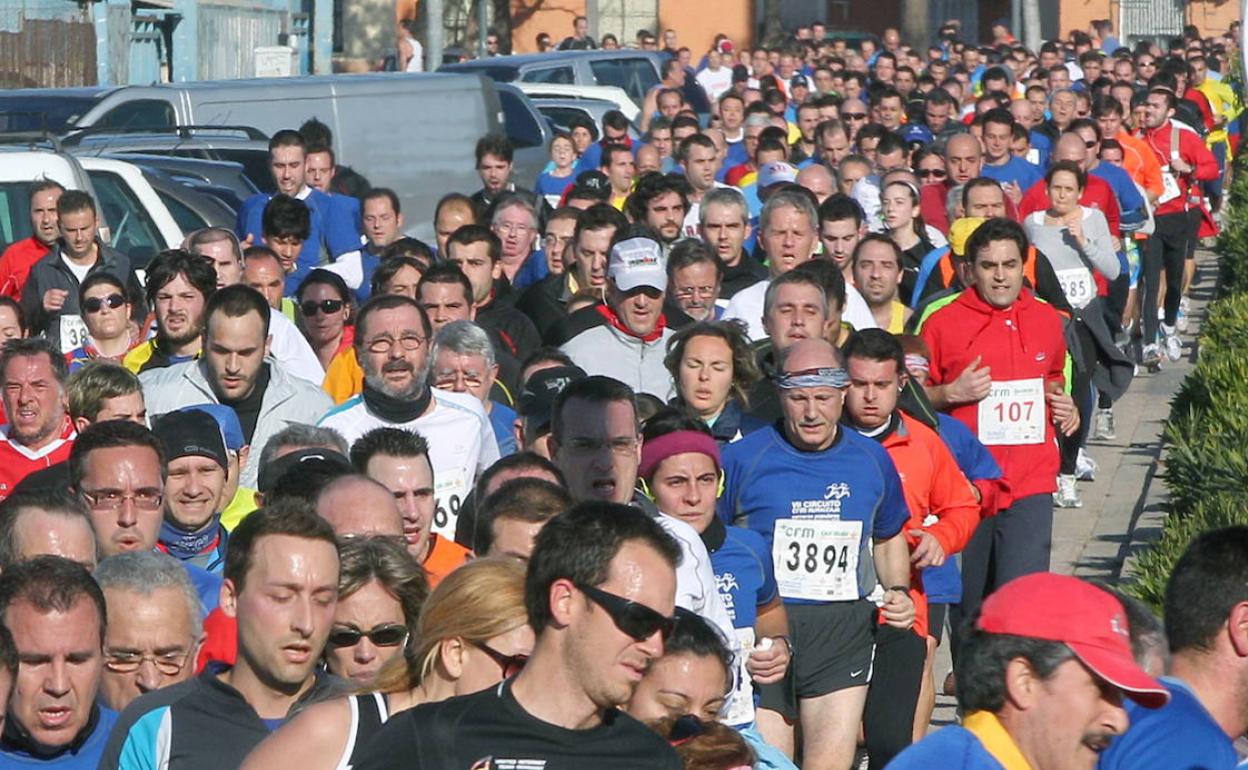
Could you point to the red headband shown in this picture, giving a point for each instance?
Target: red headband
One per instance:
(656, 450)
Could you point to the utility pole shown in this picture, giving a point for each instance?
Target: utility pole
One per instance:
(483, 26)
(1031, 24)
(433, 35)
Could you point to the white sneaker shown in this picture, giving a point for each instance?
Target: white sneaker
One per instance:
(1180, 321)
(1151, 356)
(1174, 345)
(1103, 424)
(1067, 495)
(1085, 467)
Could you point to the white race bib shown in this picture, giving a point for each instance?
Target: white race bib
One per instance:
(1013, 413)
(73, 333)
(1078, 286)
(449, 492)
(817, 559)
(1169, 187)
(1033, 156)
(740, 708)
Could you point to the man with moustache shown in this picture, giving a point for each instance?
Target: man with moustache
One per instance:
(179, 285)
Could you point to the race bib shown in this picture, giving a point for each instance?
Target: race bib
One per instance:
(73, 333)
(1013, 413)
(1169, 187)
(1033, 156)
(449, 492)
(817, 559)
(1078, 286)
(740, 708)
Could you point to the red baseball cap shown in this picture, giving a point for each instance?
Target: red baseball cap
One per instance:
(1092, 622)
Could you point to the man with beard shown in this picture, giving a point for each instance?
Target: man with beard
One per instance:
(392, 338)
(660, 203)
(236, 370)
(179, 285)
(39, 433)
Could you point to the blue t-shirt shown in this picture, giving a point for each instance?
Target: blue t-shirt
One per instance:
(1015, 170)
(502, 419)
(743, 575)
(943, 584)
(87, 757)
(771, 487)
(551, 185)
(949, 748)
(1042, 146)
(1129, 198)
(1181, 735)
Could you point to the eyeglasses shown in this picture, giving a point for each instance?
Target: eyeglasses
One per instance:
(512, 228)
(127, 662)
(853, 116)
(510, 664)
(386, 635)
(326, 306)
(686, 292)
(113, 499)
(935, 173)
(96, 304)
(636, 620)
(385, 344)
(621, 446)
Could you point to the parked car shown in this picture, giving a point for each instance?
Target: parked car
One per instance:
(244, 145)
(529, 132)
(540, 92)
(380, 123)
(560, 111)
(222, 178)
(21, 167)
(636, 72)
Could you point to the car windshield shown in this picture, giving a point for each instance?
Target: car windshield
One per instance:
(34, 113)
(497, 73)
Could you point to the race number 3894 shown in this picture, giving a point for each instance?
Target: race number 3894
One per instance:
(817, 559)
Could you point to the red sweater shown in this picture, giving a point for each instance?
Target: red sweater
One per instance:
(1023, 342)
(1192, 150)
(15, 265)
(1098, 195)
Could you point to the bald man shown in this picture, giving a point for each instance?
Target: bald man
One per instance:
(964, 159)
(357, 506)
(818, 180)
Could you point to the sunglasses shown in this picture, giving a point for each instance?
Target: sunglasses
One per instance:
(1090, 143)
(853, 116)
(96, 304)
(326, 306)
(510, 664)
(388, 635)
(685, 729)
(937, 173)
(636, 620)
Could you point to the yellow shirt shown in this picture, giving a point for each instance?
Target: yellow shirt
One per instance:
(1223, 103)
(243, 504)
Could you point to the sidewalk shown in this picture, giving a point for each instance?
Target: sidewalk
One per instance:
(1122, 508)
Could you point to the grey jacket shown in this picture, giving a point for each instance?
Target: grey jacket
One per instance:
(606, 350)
(50, 272)
(287, 400)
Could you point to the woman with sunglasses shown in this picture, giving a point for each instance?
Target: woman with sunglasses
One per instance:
(106, 315)
(324, 304)
(899, 207)
(380, 592)
(472, 633)
(690, 685)
(713, 367)
(929, 166)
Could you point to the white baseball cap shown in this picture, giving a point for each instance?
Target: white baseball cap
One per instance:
(637, 262)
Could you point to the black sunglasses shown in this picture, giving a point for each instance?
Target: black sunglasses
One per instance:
(325, 306)
(685, 729)
(510, 664)
(636, 620)
(96, 304)
(389, 635)
(853, 116)
(939, 173)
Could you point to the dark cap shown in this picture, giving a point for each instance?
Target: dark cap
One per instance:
(799, 81)
(593, 185)
(191, 434)
(270, 474)
(740, 73)
(537, 398)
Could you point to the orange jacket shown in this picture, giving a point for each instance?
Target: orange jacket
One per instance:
(344, 379)
(934, 486)
(1141, 163)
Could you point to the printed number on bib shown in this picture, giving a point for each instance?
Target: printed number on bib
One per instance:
(449, 492)
(1013, 413)
(1077, 285)
(73, 333)
(817, 559)
(740, 708)
(1169, 187)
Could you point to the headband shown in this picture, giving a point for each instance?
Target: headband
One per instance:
(916, 361)
(658, 449)
(822, 377)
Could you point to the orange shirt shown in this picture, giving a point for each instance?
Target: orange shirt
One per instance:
(345, 378)
(444, 557)
(1140, 162)
(934, 486)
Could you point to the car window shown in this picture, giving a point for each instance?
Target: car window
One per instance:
(140, 113)
(522, 127)
(134, 232)
(634, 74)
(14, 211)
(561, 75)
(188, 221)
(255, 165)
(562, 116)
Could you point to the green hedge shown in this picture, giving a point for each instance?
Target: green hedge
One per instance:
(1206, 462)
